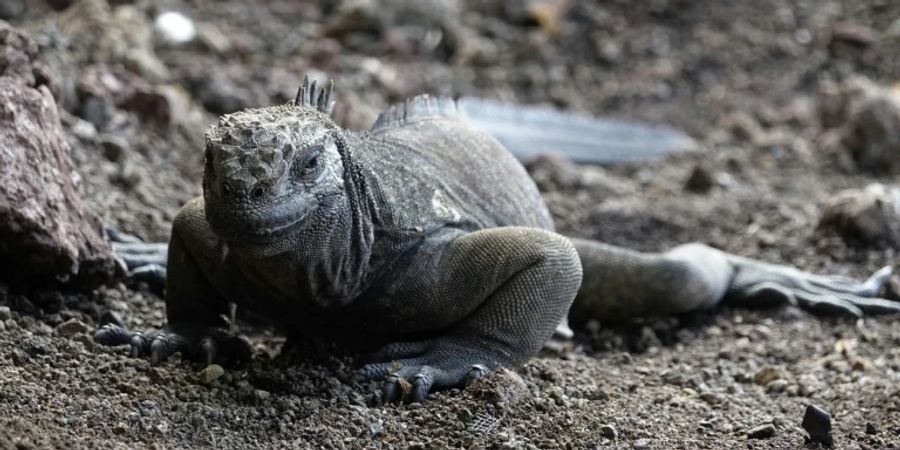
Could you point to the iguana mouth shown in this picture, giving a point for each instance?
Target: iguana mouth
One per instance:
(237, 225)
(276, 229)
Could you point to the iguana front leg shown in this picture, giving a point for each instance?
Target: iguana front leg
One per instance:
(509, 287)
(621, 284)
(197, 315)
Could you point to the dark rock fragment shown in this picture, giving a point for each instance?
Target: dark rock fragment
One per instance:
(762, 432)
(817, 422)
(700, 180)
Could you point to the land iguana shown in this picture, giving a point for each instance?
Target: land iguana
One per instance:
(423, 238)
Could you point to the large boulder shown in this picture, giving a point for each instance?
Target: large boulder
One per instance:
(46, 232)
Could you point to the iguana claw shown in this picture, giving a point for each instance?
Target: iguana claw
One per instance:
(412, 370)
(215, 344)
(820, 294)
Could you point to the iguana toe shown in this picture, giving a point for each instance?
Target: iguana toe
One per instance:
(429, 366)
(819, 294)
(213, 344)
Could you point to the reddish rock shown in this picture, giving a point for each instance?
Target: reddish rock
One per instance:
(46, 232)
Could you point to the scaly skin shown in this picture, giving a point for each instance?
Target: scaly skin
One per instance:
(422, 237)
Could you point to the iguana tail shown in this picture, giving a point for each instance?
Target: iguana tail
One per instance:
(621, 284)
(530, 130)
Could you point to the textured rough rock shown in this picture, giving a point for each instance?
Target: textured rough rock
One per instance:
(864, 119)
(46, 233)
(870, 215)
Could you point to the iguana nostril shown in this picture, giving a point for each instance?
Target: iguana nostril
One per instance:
(258, 192)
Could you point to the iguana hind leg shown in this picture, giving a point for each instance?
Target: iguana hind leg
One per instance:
(621, 284)
(509, 287)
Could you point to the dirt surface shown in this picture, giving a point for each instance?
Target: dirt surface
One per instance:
(741, 77)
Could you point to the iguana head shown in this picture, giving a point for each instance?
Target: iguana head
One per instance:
(270, 171)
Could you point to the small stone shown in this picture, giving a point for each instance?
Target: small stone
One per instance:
(711, 398)
(609, 432)
(817, 422)
(120, 428)
(261, 394)
(175, 28)
(766, 375)
(115, 148)
(83, 130)
(642, 444)
(211, 373)
(5, 313)
(871, 428)
(70, 328)
(762, 432)
(744, 127)
(376, 428)
(19, 357)
(852, 33)
(700, 180)
(778, 385)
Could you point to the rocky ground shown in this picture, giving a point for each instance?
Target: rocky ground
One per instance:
(769, 89)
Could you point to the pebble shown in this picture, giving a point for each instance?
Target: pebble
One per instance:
(261, 394)
(762, 432)
(211, 373)
(175, 28)
(609, 432)
(700, 180)
(778, 385)
(711, 398)
(817, 422)
(5, 313)
(115, 148)
(642, 444)
(871, 428)
(70, 328)
(766, 375)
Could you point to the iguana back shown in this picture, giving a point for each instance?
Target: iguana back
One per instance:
(434, 170)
